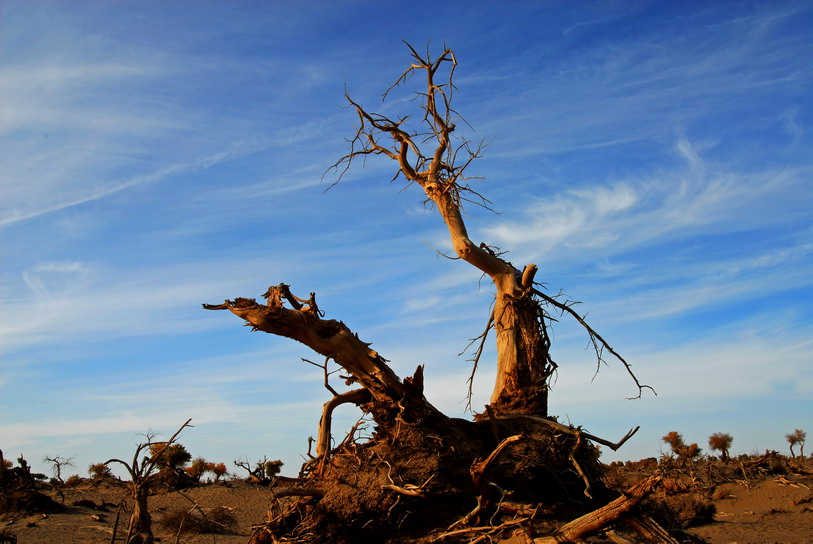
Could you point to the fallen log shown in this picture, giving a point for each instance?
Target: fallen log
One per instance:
(604, 517)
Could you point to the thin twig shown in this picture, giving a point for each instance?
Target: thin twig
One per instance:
(596, 339)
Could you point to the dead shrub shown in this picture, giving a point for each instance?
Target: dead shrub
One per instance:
(216, 520)
(682, 510)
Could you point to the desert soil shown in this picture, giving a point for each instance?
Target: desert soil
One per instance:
(775, 510)
(86, 525)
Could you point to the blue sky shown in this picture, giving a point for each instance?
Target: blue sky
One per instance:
(653, 158)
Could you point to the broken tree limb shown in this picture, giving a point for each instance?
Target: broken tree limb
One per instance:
(599, 343)
(478, 471)
(599, 519)
(481, 529)
(574, 461)
(574, 431)
(649, 529)
(299, 492)
(476, 357)
(332, 339)
(357, 396)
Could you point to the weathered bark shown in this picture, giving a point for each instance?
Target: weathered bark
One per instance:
(523, 360)
(602, 518)
(139, 530)
(650, 530)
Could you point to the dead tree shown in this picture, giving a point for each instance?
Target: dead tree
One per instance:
(514, 441)
(143, 477)
(57, 464)
(521, 313)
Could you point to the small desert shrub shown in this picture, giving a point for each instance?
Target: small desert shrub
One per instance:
(216, 520)
(99, 471)
(721, 442)
(73, 480)
(648, 463)
(679, 448)
(798, 436)
(681, 510)
(263, 471)
(272, 468)
(721, 493)
(197, 468)
(27, 501)
(174, 456)
(219, 470)
(692, 509)
(19, 491)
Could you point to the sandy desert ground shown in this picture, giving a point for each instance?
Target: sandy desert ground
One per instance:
(777, 509)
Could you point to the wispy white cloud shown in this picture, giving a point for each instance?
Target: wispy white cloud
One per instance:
(81, 302)
(607, 220)
(29, 204)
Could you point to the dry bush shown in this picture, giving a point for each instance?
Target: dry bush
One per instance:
(19, 490)
(721, 442)
(675, 441)
(73, 481)
(197, 468)
(216, 520)
(219, 470)
(682, 510)
(680, 449)
(99, 471)
(798, 436)
(174, 456)
(264, 470)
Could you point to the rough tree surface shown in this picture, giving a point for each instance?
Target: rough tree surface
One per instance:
(423, 476)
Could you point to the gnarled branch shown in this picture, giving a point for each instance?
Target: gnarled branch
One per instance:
(332, 339)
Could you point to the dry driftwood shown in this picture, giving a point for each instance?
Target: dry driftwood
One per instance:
(609, 515)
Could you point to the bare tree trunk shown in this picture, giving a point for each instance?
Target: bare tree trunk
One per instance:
(523, 360)
(140, 528)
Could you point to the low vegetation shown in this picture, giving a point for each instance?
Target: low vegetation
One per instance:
(798, 436)
(721, 442)
(689, 484)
